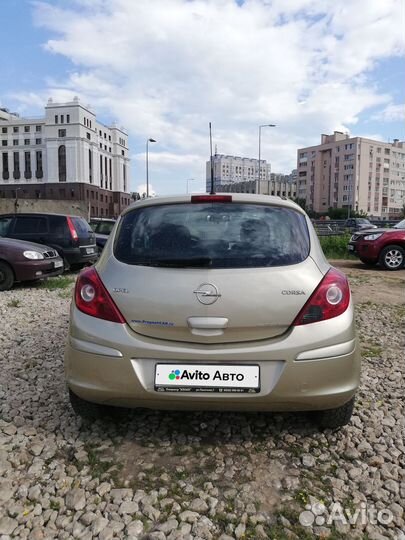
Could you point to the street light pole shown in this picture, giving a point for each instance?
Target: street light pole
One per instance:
(260, 139)
(16, 205)
(147, 165)
(188, 182)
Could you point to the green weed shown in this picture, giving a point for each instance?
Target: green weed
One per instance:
(14, 303)
(372, 351)
(54, 505)
(60, 282)
(335, 247)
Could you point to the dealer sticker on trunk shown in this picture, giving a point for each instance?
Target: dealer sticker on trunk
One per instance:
(207, 378)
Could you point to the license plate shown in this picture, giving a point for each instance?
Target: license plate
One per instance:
(58, 264)
(207, 378)
(350, 247)
(89, 251)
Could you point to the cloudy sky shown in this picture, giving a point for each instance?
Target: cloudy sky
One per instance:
(166, 68)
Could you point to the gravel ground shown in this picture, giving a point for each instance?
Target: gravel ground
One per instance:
(168, 475)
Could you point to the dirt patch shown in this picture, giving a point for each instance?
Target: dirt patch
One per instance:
(372, 284)
(218, 453)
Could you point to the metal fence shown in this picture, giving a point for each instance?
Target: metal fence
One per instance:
(336, 227)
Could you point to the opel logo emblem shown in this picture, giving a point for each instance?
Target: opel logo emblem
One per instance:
(207, 293)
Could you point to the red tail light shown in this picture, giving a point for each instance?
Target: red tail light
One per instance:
(92, 297)
(330, 299)
(210, 198)
(73, 232)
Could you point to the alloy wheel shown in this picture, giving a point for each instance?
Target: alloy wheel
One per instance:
(394, 258)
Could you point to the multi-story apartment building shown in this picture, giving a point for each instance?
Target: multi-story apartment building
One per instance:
(283, 178)
(280, 187)
(65, 155)
(354, 173)
(230, 169)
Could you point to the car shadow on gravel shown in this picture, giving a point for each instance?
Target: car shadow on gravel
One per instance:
(172, 448)
(209, 426)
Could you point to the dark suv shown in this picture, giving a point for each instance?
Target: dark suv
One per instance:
(71, 236)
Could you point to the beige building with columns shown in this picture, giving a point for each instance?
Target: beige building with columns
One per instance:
(67, 155)
(354, 172)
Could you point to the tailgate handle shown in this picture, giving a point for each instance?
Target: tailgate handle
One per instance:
(207, 323)
(207, 326)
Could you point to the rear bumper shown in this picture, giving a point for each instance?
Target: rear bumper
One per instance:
(101, 240)
(32, 269)
(79, 256)
(108, 363)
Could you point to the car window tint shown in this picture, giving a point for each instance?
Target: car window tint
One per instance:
(220, 235)
(81, 225)
(59, 226)
(30, 224)
(105, 227)
(4, 225)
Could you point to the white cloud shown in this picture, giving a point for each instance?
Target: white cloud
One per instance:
(391, 113)
(165, 159)
(164, 69)
(141, 189)
(27, 100)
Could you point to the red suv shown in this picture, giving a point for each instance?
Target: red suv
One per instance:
(383, 246)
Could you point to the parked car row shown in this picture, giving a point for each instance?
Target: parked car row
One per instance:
(203, 301)
(38, 245)
(71, 236)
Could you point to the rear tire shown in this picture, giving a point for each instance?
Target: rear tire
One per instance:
(392, 257)
(6, 276)
(335, 418)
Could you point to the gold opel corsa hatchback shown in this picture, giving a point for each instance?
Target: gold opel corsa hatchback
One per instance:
(213, 302)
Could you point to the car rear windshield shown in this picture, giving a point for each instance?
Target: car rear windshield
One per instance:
(104, 227)
(81, 226)
(215, 235)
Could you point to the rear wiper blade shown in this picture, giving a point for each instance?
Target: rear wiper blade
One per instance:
(192, 261)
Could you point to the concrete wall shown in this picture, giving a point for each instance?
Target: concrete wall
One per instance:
(77, 208)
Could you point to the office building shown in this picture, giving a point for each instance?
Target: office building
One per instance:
(65, 155)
